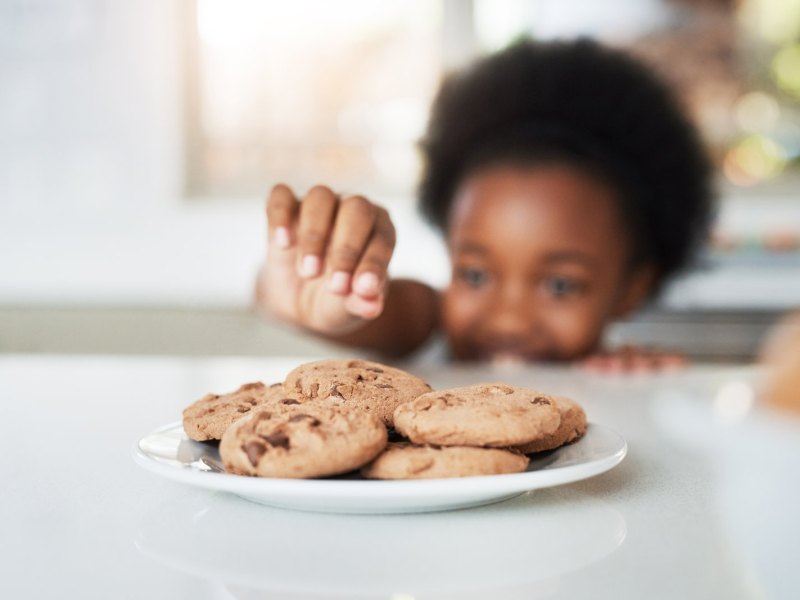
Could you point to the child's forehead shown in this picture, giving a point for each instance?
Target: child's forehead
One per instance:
(515, 198)
(542, 217)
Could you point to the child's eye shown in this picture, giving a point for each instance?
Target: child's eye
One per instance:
(562, 287)
(472, 277)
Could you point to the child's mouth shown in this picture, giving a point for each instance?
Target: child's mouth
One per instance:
(507, 355)
(508, 360)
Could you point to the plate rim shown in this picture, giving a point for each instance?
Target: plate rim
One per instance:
(338, 489)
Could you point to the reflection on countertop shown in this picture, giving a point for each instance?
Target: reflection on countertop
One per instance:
(515, 549)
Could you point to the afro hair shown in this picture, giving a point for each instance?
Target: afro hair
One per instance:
(587, 106)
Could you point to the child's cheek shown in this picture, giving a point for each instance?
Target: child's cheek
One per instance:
(460, 310)
(576, 332)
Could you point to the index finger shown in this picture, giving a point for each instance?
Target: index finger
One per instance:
(282, 210)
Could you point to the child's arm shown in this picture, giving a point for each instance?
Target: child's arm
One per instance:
(326, 271)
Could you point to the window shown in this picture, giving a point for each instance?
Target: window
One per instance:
(338, 92)
(310, 91)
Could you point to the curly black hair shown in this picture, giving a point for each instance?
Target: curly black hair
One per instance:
(588, 106)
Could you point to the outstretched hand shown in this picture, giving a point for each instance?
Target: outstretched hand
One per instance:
(633, 359)
(327, 259)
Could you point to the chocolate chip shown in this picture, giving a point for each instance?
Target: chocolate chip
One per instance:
(359, 378)
(252, 386)
(289, 401)
(254, 451)
(263, 416)
(313, 421)
(540, 401)
(243, 409)
(505, 389)
(277, 440)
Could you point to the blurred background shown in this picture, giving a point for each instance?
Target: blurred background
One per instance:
(138, 140)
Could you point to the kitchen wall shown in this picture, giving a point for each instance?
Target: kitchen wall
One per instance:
(92, 209)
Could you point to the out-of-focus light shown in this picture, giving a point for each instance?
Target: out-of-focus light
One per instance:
(734, 400)
(241, 24)
(754, 159)
(230, 26)
(776, 21)
(395, 162)
(497, 22)
(786, 69)
(757, 112)
(402, 119)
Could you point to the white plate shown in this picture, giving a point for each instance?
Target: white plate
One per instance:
(170, 453)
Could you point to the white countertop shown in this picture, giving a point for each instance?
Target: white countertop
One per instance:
(705, 505)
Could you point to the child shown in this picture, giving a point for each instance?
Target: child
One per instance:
(569, 187)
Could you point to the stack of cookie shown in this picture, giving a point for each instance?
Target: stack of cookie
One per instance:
(335, 416)
(481, 429)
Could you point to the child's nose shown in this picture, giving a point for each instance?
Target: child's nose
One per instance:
(513, 312)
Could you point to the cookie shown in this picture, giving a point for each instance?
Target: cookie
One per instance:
(209, 417)
(402, 460)
(366, 385)
(301, 441)
(495, 415)
(571, 428)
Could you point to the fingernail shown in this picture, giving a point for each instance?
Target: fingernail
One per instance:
(367, 284)
(339, 282)
(310, 266)
(371, 308)
(282, 237)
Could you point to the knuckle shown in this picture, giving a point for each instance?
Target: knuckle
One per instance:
(275, 210)
(312, 237)
(346, 255)
(280, 201)
(374, 263)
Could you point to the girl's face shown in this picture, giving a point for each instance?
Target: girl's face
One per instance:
(540, 265)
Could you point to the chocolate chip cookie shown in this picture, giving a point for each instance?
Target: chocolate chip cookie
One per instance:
(302, 441)
(494, 415)
(361, 384)
(209, 417)
(402, 460)
(571, 428)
